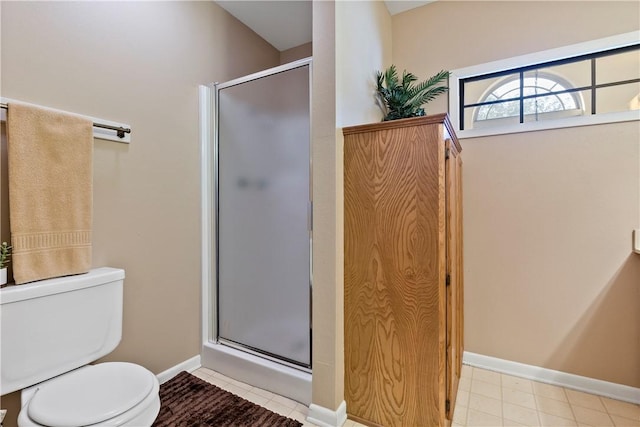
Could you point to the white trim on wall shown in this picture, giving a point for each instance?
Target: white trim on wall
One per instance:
(323, 417)
(207, 255)
(549, 376)
(188, 365)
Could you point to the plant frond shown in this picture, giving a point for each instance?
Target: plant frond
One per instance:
(402, 98)
(391, 77)
(407, 79)
(427, 84)
(379, 80)
(427, 96)
(438, 78)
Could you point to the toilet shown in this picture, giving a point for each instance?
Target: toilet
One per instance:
(51, 331)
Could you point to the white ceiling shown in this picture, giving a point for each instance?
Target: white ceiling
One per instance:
(398, 6)
(287, 23)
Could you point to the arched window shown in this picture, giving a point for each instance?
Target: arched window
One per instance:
(577, 85)
(543, 93)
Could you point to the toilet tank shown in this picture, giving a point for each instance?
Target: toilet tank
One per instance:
(53, 326)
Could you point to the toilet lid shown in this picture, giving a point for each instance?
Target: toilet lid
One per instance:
(90, 395)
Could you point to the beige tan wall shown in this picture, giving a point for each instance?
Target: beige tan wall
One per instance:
(295, 53)
(327, 386)
(550, 279)
(363, 32)
(138, 63)
(350, 41)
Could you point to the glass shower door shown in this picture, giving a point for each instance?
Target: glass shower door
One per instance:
(263, 221)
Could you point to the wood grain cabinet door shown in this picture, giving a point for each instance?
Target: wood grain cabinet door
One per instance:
(454, 317)
(401, 328)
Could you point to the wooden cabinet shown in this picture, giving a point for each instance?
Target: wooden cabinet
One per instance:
(403, 273)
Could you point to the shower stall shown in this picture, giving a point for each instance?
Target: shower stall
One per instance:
(257, 229)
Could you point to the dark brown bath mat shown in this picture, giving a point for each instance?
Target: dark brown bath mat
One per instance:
(189, 401)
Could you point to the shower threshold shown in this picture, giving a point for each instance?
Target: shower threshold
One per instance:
(276, 377)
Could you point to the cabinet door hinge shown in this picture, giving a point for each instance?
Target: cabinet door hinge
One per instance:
(446, 153)
(447, 405)
(448, 280)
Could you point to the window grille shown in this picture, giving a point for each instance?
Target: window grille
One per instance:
(588, 84)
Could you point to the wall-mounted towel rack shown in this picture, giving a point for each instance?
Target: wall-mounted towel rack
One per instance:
(111, 131)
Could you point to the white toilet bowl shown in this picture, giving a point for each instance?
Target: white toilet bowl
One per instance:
(51, 331)
(106, 394)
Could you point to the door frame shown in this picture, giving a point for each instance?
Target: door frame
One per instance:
(209, 205)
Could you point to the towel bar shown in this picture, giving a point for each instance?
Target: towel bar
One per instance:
(119, 129)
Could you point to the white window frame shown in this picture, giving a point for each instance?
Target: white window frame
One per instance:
(592, 46)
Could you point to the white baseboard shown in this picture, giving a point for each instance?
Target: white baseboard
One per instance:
(549, 376)
(323, 417)
(189, 365)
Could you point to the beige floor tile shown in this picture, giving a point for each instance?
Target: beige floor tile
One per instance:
(467, 371)
(486, 389)
(516, 383)
(591, 417)
(278, 408)
(223, 377)
(487, 376)
(462, 398)
(554, 407)
(284, 401)
(207, 371)
(623, 409)
(198, 373)
(262, 392)
(255, 398)
(578, 398)
(511, 423)
(480, 419)
(520, 414)
(485, 404)
(518, 398)
(298, 416)
(302, 408)
(548, 420)
(485, 398)
(217, 382)
(464, 384)
(234, 389)
(241, 385)
(550, 391)
(460, 415)
(625, 422)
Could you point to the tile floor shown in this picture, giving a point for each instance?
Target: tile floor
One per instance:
(485, 398)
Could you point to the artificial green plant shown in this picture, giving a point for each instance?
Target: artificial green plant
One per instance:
(400, 99)
(5, 253)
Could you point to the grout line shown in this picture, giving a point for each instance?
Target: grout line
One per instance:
(570, 405)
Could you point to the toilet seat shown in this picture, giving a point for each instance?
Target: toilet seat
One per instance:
(111, 393)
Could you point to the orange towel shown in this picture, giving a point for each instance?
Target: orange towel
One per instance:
(50, 156)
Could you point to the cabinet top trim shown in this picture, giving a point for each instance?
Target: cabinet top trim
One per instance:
(442, 118)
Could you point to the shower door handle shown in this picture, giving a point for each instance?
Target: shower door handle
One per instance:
(310, 215)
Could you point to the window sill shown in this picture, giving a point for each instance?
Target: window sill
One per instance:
(623, 116)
